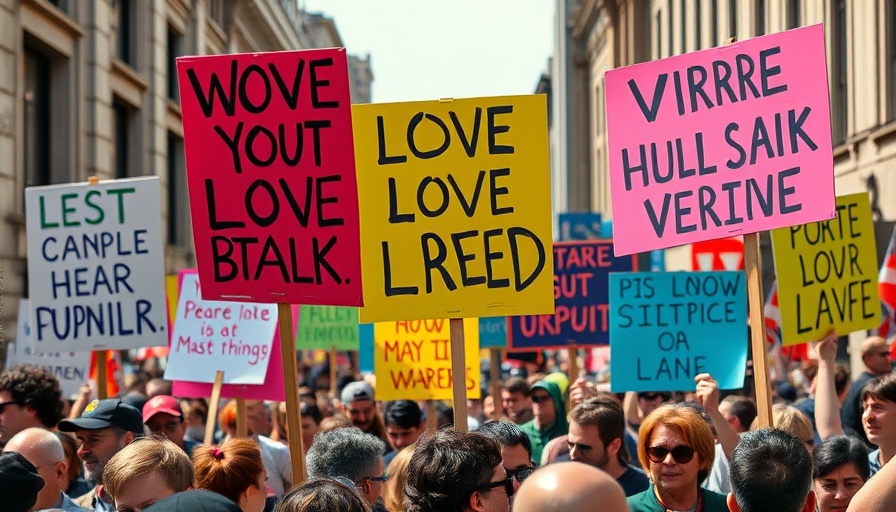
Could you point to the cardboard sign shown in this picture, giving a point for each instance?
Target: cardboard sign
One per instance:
(667, 328)
(215, 335)
(326, 327)
(96, 273)
(456, 208)
(71, 369)
(412, 359)
(581, 270)
(365, 351)
(720, 142)
(271, 173)
(493, 332)
(827, 274)
(579, 226)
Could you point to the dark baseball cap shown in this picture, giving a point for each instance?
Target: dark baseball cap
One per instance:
(194, 500)
(19, 482)
(104, 414)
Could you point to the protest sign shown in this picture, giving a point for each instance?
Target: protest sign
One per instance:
(720, 142)
(365, 352)
(667, 328)
(456, 208)
(271, 173)
(579, 226)
(827, 274)
(71, 369)
(721, 254)
(327, 327)
(412, 359)
(580, 290)
(215, 335)
(493, 332)
(96, 274)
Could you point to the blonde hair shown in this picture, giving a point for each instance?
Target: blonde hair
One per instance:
(145, 456)
(393, 491)
(791, 419)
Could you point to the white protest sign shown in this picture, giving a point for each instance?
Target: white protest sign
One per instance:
(96, 265)
(72, 369)
(209, 335)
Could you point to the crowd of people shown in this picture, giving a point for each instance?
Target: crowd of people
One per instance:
(545, 444)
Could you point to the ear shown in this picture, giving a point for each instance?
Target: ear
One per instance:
(614, 446)
(476, 502)
(128, 438)
(732, 503)
(61, 471)
(810, 502)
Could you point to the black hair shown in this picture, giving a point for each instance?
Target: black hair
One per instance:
(838, 451)
(403, 413)
(770, 470)
(507, 434)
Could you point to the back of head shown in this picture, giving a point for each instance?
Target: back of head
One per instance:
(144, 456)
(507, 434)
(447, 467)
(37, 445)
(790, 419)
(322, 495)
(770, 470)
(569, 487)
(344, 452)
(743, 408)
(228, 469)
(194, 500)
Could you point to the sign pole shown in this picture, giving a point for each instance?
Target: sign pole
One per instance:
(494, 376)
(757, 330)
(432, 422)
(572, 370)
(213, 408)
(290, 381)
(459, 374)
(102, 389)
(242, 427)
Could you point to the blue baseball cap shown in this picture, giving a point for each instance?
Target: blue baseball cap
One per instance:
(105, 414)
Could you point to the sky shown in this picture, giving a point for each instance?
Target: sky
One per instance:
(427, 49)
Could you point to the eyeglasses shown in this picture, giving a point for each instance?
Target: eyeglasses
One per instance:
(378, 478)
(519, 473)
(681, 453)
(539, 399)
(654, 396)
(507, 483)
(4, 404)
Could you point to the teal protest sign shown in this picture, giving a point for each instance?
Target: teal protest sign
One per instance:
(493, 332)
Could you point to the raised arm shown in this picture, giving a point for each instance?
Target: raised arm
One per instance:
(708, 396)
(827, 407)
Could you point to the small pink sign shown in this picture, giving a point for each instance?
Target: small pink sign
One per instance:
(271, 174)
(720, 142)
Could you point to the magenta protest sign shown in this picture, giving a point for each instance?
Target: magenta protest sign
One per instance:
(720, 142)
(271, 174)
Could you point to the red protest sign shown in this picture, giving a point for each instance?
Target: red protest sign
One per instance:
(271, 174)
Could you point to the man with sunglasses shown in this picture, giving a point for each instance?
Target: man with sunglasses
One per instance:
(162, 415)
(549, 421)
(29, 397)
(516, 449)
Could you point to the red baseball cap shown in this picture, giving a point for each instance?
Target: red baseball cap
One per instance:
(161, 403)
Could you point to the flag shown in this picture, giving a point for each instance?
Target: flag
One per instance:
(114, 372)
(886, 286)
(773, 317)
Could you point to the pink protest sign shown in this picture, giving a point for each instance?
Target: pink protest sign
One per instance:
(720, 142)
(271, 174)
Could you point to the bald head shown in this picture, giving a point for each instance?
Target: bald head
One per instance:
(43, 449)
(569, 487)
(876, 355)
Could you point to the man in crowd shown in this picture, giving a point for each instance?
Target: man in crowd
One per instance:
(19, 483)
(29, 397)
(568, 487)
(876, 359)
(359, 405)
(515, 400)
(404, 424)
(596, 437)
(146, 471)
(43, 449)
(771, 470)
(353, 455)
(516, 449)
(548, 419)
(739, 412)
(162, 415)
(104, 428)
(879, 419)
(457, 471)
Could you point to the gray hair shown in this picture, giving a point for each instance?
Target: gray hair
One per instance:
(344, 452)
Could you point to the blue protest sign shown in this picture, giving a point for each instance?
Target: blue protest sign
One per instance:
(579, 226)
(493, 332)
(666, 328)
(365, 348)
(581, 271)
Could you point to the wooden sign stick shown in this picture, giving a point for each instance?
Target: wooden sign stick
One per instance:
(290, 381)
(494, 376)
(102, 389)
(242, 427)
(757, 330)
(459, 374)
(572, 370)
(432, 420)
(213, 408)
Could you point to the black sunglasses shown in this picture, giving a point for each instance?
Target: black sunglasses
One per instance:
(538, 399)
(520, 473)
(4, 404)
(681, 453)
(507, 483)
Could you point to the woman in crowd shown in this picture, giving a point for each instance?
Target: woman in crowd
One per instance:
(234, 470)
(322, 495)
(840, 470)
(393, 491)
(676, 447)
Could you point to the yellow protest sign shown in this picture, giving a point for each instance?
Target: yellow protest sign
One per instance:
(455, 208)
(827, 273)
(412, 359)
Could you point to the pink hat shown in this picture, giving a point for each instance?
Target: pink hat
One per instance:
(161, 403)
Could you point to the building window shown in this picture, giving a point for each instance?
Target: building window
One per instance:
(216, 11)
(178, 202)
(670, 28)
(37, 136)
(124, 19)
(125, 139)
(714, 23)
(659, 35)
(840, 58)
(793, 14)
(760, 17)
(683, 24)
(732, 19)
(698, 23)
(175, 50)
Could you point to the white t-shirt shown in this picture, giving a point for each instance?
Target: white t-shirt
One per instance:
(275, 457)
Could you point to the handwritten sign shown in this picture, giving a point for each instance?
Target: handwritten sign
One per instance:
(412, 359)
(71, 369)
(456, 208)
(581, 270)
(720, 142)
(827, 274)
(579, 226)
(215, 335)
(326, 327)
(96, 265)
(666, 328)
(493, 332)
(271, 174)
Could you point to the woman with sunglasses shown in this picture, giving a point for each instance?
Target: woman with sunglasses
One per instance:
(676, 447)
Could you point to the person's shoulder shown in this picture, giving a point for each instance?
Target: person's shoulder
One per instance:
(644, 502)
(714, 502)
